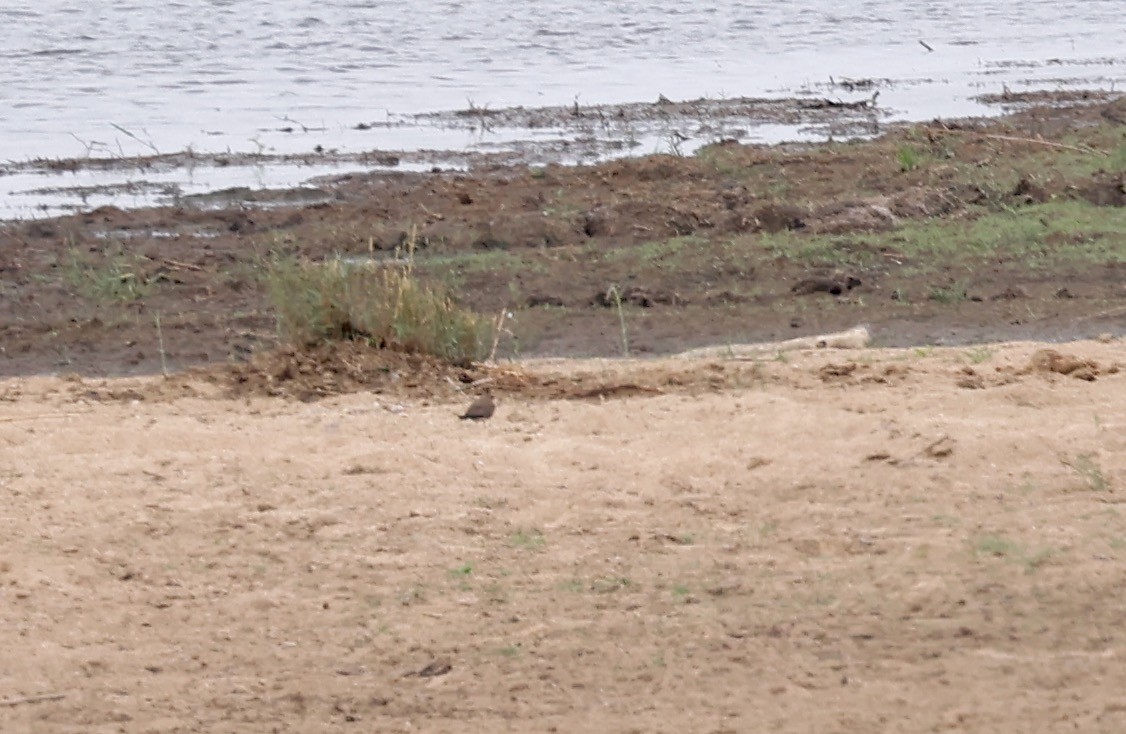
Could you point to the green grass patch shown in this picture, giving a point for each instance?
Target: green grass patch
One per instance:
(1108, 153)
(977, 355)
(485, 261)
(908, 158)
(1089, 470)
(1038, 236)
(529, 540)
(997, 546)
(656, 251)
(608, 585)
(828, 250)
(115, 277)
(1117, 159)
(953, 293)
(1041, 235)
(463, 571)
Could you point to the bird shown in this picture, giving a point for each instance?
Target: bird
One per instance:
(481, 409)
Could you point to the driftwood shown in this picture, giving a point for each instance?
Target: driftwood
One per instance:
(1031, 141)
(854, 338)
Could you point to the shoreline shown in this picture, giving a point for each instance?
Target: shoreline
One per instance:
(935, 233)
(518, 136)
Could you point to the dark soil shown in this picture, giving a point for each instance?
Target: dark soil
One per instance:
(738, 243)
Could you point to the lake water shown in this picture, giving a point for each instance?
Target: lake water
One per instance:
(130, 77)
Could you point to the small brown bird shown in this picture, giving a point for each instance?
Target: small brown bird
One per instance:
(481, 409)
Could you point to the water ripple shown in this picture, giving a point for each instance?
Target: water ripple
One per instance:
(70, 71)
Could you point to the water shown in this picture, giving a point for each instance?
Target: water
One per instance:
(131, 77)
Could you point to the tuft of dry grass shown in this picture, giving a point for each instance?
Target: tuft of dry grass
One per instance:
(386, 305)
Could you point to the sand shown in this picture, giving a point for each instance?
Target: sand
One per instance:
(901, 541)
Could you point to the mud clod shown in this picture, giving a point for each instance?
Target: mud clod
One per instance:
(832, 286)
(1049, 360)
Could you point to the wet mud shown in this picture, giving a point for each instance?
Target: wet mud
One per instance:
(939, 233)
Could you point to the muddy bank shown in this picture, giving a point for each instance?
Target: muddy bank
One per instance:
(944, 232)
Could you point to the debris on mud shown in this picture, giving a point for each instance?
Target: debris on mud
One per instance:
(832, 286)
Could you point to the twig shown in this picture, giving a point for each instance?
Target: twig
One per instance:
(146, 143)
(432, 215)
(31, 699)
(496, 334)
(160, 341)
(304, 128)
(90, 145)
(1064, 146)
(177, 265)
(617, 296)
(1034, 141)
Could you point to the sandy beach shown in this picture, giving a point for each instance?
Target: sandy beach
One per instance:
(826, 540)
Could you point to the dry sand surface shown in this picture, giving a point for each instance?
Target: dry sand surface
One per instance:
(907, 541)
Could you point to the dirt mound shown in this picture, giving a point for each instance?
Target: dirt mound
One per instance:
(342, 367)
(349, 367)
(1049, 360)
(306, 375)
